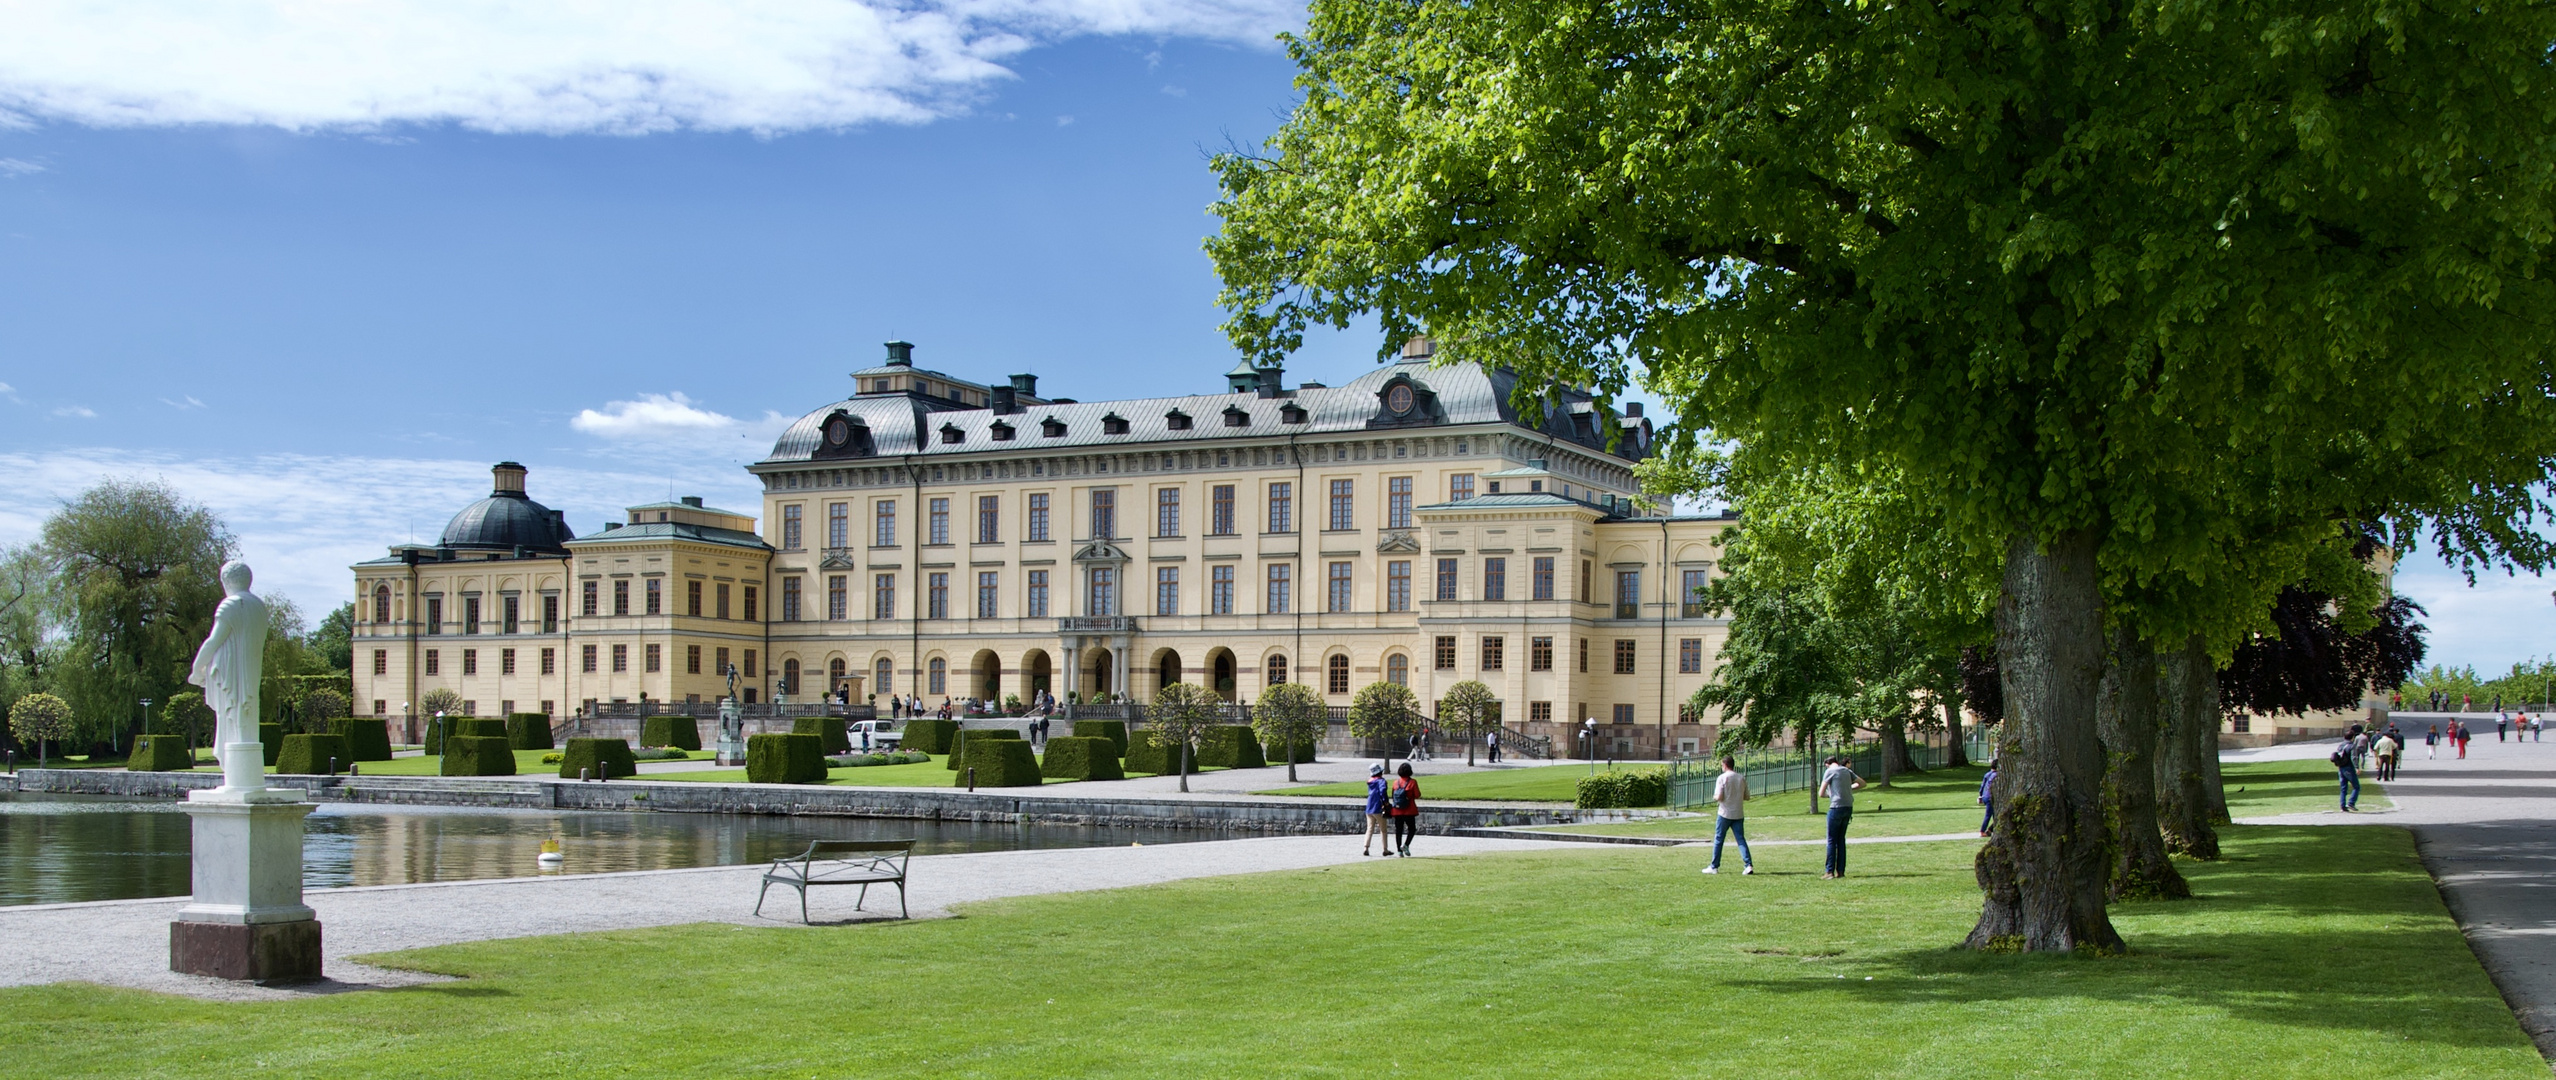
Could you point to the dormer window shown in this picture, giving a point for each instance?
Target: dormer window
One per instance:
(1051, 428)
(1113, 424)
(1291, 413)
(1235, 417)
(1176, 420)
(1002, 431)
(950, 434)
(1495, 487)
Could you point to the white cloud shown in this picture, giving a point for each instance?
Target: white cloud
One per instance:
(182, 404)
(1064, 121)
(651, 415)
(77, 412)
(566, 66)
(2502, 619)
(13, 168)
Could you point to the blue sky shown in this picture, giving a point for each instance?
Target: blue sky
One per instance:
(319, 275)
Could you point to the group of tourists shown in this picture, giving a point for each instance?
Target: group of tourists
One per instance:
(1837, 783)
(1041, 703)
(1393, 800)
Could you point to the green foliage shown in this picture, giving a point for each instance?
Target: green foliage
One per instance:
(605, 758)
(40, 719)
(680, 732)
(185, 713)
(1147, 756)
(135, 569)
(367, 737)
(441, 699)
(959, 740)
(1113, 730)
(160, 753)
(1081, 757)
(478, 755)
(270, 740)
(785, 759)
(1384, 710)
(929, 736)
(1181, 713)
(998, 763)
(479, 727)
(305, 755)
(658, 753)
(1289, 715)
(528, 730)
(332, 642)
(1469, 709)
(1276, 754)
(829, 728)
(320, 707)
(855, 761)
(1623, 788)
(1229, 746)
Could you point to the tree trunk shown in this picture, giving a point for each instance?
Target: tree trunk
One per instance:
(2188, 704)
(2140, 868)
(1184, 766)
(2043, 869)
(1956, 754)
(1896, 760)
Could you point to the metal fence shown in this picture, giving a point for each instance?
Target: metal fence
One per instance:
(1770, 772)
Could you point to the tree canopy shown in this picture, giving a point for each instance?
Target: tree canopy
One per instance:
(1288, 715)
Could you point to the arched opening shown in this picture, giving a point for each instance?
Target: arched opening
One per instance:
(836, 672)
(381, 603)
(1336, 674)
(884, 675)
(1036, 670)
(936, 676)
(1220, 674)
(1166, 668)
(1097, 665)
(1277, 668)
(989, 676)
(790, 675)
(1398, 669)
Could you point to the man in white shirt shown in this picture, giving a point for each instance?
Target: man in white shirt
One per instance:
(1839, 784)
(1730, 814)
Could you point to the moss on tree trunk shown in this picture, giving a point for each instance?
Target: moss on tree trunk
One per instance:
(2188, 752)
(2128, 718)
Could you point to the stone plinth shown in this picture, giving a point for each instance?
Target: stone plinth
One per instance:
(246, 919)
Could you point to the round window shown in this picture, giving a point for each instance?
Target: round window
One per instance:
(1398, 399)
(838, 431)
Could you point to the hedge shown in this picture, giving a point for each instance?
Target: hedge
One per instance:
(829, 728)
(1229, 746)
(605, 758)
(528, 730)
(1623, 788)
(479, 755)
(1277, 755)
(368, 738)
(435, 729)
(958, 743)
(785, 759)
(160, 753)
(680, 732)
(1113, 730)
(1081, 757)
(309, 754)
(1145, 756)
(270, 737)
(999, 763)
(930, 736)
(479, 727)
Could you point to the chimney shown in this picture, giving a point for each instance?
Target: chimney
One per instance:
(1025, 385)
(693, 501)
(1632, 410)
(1273, 380)
(900, 354)
(510, 479)
(999, 399)
(1419, 348)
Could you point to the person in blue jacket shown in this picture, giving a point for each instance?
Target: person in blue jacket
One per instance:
(1376, 785)
(1988, 798)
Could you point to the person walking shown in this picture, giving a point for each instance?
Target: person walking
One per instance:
(2348, 779)
(1376, 784)
(2385, 750)
(2432, 743)
(2502, 723)
(2464, 735)
(1495, 746)
(1988, 798)
(1840, 784)
(1402, 804)
(2360, 748)
(1730, 816)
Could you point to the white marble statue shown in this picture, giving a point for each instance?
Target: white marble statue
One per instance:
(229, 668)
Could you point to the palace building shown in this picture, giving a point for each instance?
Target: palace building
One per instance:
(934, 536)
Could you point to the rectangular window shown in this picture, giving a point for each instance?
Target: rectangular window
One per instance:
(1586, 597)
(1624, 656)
(883, 597)
(1443, 656)
(1282, 507)
(1104, 513)
(1584, 656)
(1220, 504)
(550, 661)
(621, 597)
(838, 597)
(1628, 594)
(1398, 503)
(435, 661)
(1495, 579)
(435, 612)
(1460, 487)
(790, 587)
(470, 661)
(936, 595)
(723, 600)
(790, 527)
(1544, 577)
(1340, 596)
(1167, 511)
(838, 525)
(1038, 594)
(656, 599)
(939, 677)
(381, 661)
(749, 664)
(470, 615)
(1344, 505)
(1690, 656)
(511, 619)
(884, 527)
(505, 661)
(1103, 598)
(1280, 579)
(692, 659)
(1220, 594)
(750, 612)
(719, 658)
(692, 598)
(1540, 711)
(939, 510)
(1038, 517)
(1690, 604)
(1446, 579)
(654, 659)
(1398, 585)
(1624, 714)
(587, 608)
(620, 658)
(1494, 652)
(587, 664)
(987, 581)
(550, 614)
(1540, 653)
(1166, 590)
(989, 519)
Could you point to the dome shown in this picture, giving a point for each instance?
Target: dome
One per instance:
(508, 519)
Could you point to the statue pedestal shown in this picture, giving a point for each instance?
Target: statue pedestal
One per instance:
(732, 747)
(246, 919)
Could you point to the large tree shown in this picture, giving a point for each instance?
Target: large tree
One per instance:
(137, 577)
(2106, 284)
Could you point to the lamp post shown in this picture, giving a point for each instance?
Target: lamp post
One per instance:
(146, 729)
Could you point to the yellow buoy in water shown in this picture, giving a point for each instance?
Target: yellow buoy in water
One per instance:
(549, 853)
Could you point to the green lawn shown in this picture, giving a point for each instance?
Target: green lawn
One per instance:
(1545, 783)
(2311, 952)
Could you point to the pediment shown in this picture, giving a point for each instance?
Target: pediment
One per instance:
(1100, 551)
(1398, 542)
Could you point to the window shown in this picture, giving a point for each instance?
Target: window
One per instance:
(883, 597)
(1167, 590)
(936, 595)
(435, 613)
(1344, 505)
(1495, 579)
(470, 707)
(470, 661)
(1038, 517)
(1398, 503)
(550, 614)
(381, 661)
(1690, 604)
(620, 658)
(1624, 656)
(381, 603)
(692, 659)
(1398, 669)
(1494, 652)
(790, 599)
(656, 598)
(790, 676)
(1282, 507)
(1277, 670)
(1540, 712)
(1584, 656)
(1586, 597)
(505, 661)
(1540, 654)
(1038, 594)
(886, 676)
(621, 597)
(1339, 587)
(987, 581)
(1445, 652)
(1628, 594)
(510, 618)
(1690, 656)
(838, 525)
(884, 534)
(1446, 579)
(749, 664)
(719, 662)
(838, 599)
(723, 600)
(1460, 487)
(1104, 591)
(588, 661)
(938, 511)
(470, 615)
(1398, 585)
(588, 608)
(692, 598)
(1336, 675)
(1279, 580)
(2242, 725)
(939, 672)
(1544, 577)
(1220, 503)
(750, 614)
(1167, 511)
(654, 660)
(1624, 714)
(790, 527)
(550, 661)
(1104, 514)
(989, 519)
(1220, 590)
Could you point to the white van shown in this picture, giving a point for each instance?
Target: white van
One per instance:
(881, 735)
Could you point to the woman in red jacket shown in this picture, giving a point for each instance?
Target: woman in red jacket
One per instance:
(1402, 804)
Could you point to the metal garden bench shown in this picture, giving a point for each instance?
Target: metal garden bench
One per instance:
(841, 862)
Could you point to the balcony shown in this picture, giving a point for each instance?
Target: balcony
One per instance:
(1097, 624)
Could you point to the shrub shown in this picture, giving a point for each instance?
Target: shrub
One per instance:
(1277, 754)
(553, 759)
(528, 730)
(958, 742)
(662, 753)
(829, 728)
(606, 758)
(1229, 746)
(479, 727)
(999, 763)
(1080, 757)
(930, 736)
(270, 738)
(160, 753)
(1623, 788)
(309, 754)
(680, 732)
(322, 708)
(479, 755)
(785, 759)
(1144, 755)
(368, 738)
(1113, 730)
(908, 757)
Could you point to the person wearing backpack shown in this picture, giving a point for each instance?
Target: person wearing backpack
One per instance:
(2347, 777)
(1376, 785)
(2432, 742)
(1402, 804)
(1988, 798)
